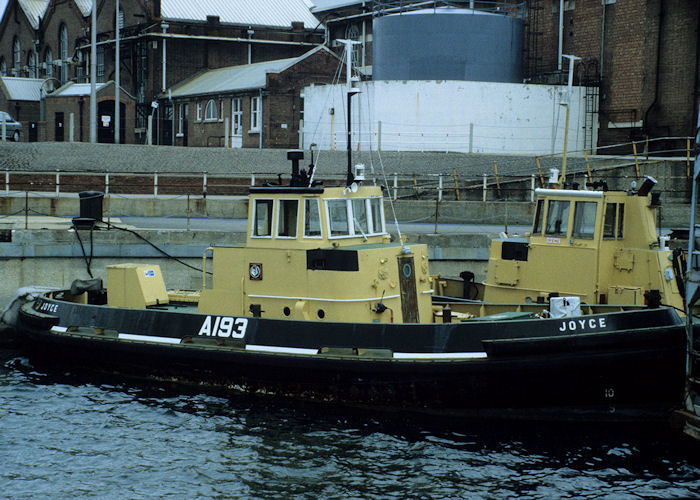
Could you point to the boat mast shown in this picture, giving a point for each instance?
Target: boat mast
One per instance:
(572, 61)
(350, 92)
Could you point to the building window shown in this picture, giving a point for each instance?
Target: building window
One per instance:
(180, 111)
(100, 63)
(236, 115)
(210, 111)
(199, 111)
(48, 63)
(63, 50)
(255, 113)
(33, 65)
(221, 110)
(16, 56)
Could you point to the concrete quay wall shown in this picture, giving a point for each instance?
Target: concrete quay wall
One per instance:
(54, 258)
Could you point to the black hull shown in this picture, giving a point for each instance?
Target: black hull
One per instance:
(624, 366)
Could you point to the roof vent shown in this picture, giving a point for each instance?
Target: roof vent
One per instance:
(297, 26)
(213, 20)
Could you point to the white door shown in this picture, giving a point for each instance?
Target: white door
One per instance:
(236, 122)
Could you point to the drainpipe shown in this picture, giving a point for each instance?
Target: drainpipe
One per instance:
(165, 27)
(602, 42)
(658, 64)
(250, 46)
(117, 108)
(561, 34)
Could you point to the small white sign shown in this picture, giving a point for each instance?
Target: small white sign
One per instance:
(284, 125)
(556, 241)
(105, 120)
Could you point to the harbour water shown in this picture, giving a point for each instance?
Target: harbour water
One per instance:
(67, 434)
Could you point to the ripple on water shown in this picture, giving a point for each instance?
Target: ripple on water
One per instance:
(62, 437)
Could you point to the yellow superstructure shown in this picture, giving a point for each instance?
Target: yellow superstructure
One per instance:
(599, 245)
(323, 254)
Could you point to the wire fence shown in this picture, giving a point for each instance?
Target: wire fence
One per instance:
(504, 179)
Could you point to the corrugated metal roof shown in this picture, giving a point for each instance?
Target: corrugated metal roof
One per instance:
(276, 13)
(324, 5)
(23, 89)
(76, 89)
(85, 6)
(34, 10)
(236, 78)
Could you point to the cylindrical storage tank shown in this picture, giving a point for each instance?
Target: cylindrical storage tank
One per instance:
(447, 44)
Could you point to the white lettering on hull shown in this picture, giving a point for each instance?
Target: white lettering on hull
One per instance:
(574, 325)
(224, 326)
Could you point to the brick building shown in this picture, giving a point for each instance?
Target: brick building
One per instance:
(249, 105)
(69, 107)
(21, 97)
(162, 42)
(642, 53)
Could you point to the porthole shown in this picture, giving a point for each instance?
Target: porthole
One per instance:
(286, 311)
(321, 313)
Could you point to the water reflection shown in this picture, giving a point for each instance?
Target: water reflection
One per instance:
(63, 435)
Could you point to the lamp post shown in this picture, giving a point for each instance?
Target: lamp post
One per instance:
(93, 74)
(117, 83)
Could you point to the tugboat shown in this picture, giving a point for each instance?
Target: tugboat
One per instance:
(577, 321)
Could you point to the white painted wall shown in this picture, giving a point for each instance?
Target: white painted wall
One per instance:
(477, 117)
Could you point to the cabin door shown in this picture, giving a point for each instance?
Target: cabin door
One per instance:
(407, 285)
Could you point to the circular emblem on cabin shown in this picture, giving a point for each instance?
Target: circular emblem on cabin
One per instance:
(407, 270)
(255, 271)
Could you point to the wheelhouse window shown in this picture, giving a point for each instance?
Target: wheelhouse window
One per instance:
(312, 219)
(584, 219)
(338, 218)
(287, 218)
(210, 111)
(558, 218)
(614, 220)
(376, 212)
(262, 218)
(356, 216)
(359, 215)
(539, 213)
